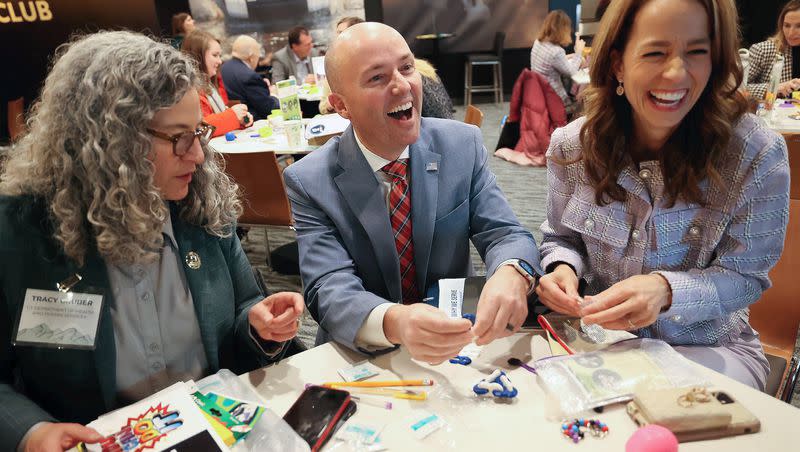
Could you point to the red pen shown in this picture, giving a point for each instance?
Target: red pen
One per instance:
(546, 325)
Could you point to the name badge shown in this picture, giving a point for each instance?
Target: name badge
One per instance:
(57, 319)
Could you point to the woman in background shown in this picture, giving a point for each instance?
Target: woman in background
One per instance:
(436, 103)
(786, 42)
(549, 58)
(182, 25)
(668, 198)
(207, 52)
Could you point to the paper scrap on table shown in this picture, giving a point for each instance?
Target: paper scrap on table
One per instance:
(359, 371)
(423, 423)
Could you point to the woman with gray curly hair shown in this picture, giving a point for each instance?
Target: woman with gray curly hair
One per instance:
(114, 192)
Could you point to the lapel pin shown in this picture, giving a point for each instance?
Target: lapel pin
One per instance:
(67, 284)
(432, 166)
(193, 260)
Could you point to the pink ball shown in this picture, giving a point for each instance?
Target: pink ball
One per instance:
(652, 438)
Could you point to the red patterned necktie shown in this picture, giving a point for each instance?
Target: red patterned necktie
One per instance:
(400, 216)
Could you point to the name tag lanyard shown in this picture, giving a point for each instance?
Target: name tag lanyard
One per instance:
(61, 318)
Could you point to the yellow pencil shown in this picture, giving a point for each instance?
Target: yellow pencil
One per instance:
(396, 393)
(379, 384)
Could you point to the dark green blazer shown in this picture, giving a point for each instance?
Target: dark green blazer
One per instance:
(47, 384)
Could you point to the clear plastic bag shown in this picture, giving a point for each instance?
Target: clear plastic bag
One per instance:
(587, 380)
(270, 432)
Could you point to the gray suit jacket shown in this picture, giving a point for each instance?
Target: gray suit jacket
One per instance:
(348, 259)
(283, 65)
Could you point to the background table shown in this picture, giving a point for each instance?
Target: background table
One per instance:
(245, 143)
(484, 424)
(779, 119)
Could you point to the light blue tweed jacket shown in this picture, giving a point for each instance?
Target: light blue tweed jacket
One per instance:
(715, 258)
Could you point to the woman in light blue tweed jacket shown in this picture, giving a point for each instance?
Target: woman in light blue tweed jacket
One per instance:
(667, 197)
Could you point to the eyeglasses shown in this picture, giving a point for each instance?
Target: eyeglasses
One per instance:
(181, 142)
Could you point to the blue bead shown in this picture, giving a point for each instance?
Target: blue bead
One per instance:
(230, 136)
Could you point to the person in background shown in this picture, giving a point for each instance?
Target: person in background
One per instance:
(341, 25)
(668, 198)
(347, 22)
(786, 42)
(295, 58)
(549, 58)
(207, 52)
(122, 189)
(182, 25)
(242, 81)
(436, 103)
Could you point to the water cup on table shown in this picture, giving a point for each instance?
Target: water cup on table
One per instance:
(294, 133)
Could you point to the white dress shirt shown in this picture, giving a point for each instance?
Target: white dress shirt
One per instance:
(371, 336)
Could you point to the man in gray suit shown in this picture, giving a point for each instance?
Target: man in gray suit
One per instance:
(295, 58)
(388, 209)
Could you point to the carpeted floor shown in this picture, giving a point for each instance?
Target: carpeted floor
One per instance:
(525, 188)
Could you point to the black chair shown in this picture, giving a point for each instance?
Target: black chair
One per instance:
(495, 60)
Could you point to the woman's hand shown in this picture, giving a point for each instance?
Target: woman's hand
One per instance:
(52, 437)
(245, 118)
(580, 44)
(629, 304)
(785, 89)
(276, 318)
(558, 290)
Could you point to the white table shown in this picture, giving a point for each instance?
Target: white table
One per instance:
(779, 119)
(485, 425)
(246, 142)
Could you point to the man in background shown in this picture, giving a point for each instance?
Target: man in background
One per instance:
(243, 83)
(295, 58)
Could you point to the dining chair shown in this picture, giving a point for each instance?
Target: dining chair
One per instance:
(473, 115)
(264, 197)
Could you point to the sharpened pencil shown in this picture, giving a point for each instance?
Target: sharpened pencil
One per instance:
(379, 384)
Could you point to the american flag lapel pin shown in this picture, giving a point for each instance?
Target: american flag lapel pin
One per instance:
(431, 166)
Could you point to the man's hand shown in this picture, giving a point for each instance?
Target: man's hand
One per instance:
(558, 290)
(52, 437)
(503, 301)
(275, 318)
(426, 332)
(630, 304)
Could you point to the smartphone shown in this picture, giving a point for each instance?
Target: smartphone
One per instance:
(317, 413)
(742, 420)
(719, 417)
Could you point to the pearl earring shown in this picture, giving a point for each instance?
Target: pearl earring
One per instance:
(620, 89)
